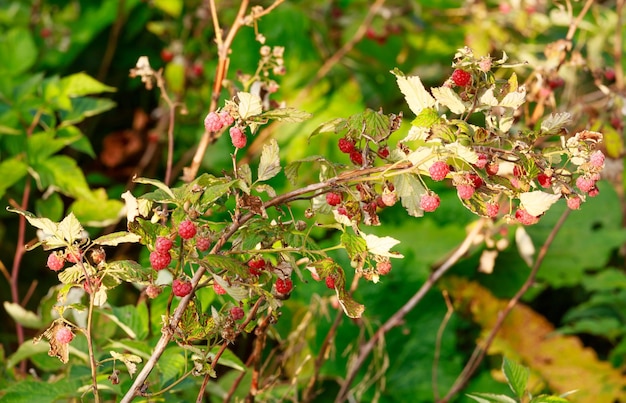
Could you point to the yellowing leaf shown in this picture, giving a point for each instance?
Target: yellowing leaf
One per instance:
(130, 360)
(414, 92)
(270, 161)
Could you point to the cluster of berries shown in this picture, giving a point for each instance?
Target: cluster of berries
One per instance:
(214, 122)
(348, 146)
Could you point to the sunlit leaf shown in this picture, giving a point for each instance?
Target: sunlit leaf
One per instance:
(130, 360)
(22, 316)
(414, 92)
(537, 202)
(81, 84)
(291, 115)
(450, 99)
(553, 123)
(516, 376)
(249, 105)
(381, 246)
(270, 161)
(490, 398)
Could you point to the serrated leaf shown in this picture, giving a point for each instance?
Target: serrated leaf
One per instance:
(381, 245)
(130, 360)
(514, 99)
(355, 245)
(410, 191)
(130, 271)
(376, 126)
(450, 99)
(463, 152)
(516, 376)
(52, 237)
(81, 84)
(116, 238)
(23, 316)
(426, 118)
(249, 105)
(228, 358)
(82, 108)
(225, 262)
(291, 115)
(537, 202)
(553, 123)
(490, 398)
(158, 184)
(70, 229)
(238, 293)
(488, 98)
(269, 165)
(245, 173)
(414, 92)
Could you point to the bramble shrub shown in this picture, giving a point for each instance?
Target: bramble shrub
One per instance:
(223, 252)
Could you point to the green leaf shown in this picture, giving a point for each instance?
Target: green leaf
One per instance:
(22, 316)
(116, 238)
(374, 125)
(226, 263)
(249, 105)
(97, 210)
(51, 207)
(291, 170)
(355, 245)
(175, 75)
(228, 359)
(548, 399)
(426, 118)
(291, 115)
(81, 84)
(63, 173)
(135, 317)
(84, 107)
(490, 398)
(130, 271)
(214, 188)
(171, 7)
(332, 126)
(270, 161)
(158, 184)
(516, 375)
(12, 170)
(45, 392)
(18, 51)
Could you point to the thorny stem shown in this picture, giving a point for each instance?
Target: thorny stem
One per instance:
(397, 318)
(480, 351)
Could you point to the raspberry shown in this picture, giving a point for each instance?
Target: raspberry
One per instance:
(219, 290)
(333, 199)
(523, 217)
(383, 152)
(256, 263)
(226, 119)
(64, 335)
(574, 203)
(492, 209)
(482, 161)
(518, 171)
(609, 74)
(55, 261)
(203, 244)
(465, 192)
(597, 159)
(492, 168)
(237, 137)
(283, 286)
(389, 198)
(475, 180)
(160, 261)
(439, 170)
(585, 184)
(383, 268)
(181, 288)
(485, 64)
(346, 145)
(236, 313)
(356, 157)
(343, 211)
(95, 282)
(544, 180)
(594, 191)
(98, 256)
(212, 122)
(187, 229)
(429, 202)
(461, 77)
(153, 291)
(330, 282)
(163, 245)
(73, 256)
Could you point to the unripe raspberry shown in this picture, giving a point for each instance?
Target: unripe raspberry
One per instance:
(187, 229)
(544, 180)
(226, 118)
(160, 261)
(461, 78)
(219, 290)
(465, 192)
(55, 261)
(485, 64)
(492, 168)
(283, 286)
(574, 203)
(153, 291)
(523, 217)
(492, 209)
(181, 288)
(585, 184)
(333, 199)
(163, 245)
(597, 159)
(98, 255)
(346, 145)
(213, 123)
(356, 157)
(482, 161)
(383, 268)
(238, 137)
(64, 335)
(203, 244)
(330, 282)
(429, 202)
(236, 313)
(439, 170)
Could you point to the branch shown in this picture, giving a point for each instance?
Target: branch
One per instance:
(479, 352)
(397, 318)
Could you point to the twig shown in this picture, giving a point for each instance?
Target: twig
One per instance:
(618, 43)
(114, 35)
(442, 327)
(574, 24)
(480, 351)
(397, 318)
(261, 333)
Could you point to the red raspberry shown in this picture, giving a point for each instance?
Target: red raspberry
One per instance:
(73, 255)
(163, 244)
(356, 157)
(439, 170)
(461, 77)
(482, 161)
(64, 335)
(213, 123)
(518, 171)
(492, 209)
(203, 244)
(255, 266)
(167, 55)
(492, 168)
(227, 120)
(544, 180)
(597, 159)
(237, 137)
(181, 288)
(330, 282)
(218, 289)
(465, 192)
(153, 291)
(333, 199)
(55, 261)
(383, 268)
(476, 180)
(95, 282)
(429, 202)
(187, 229)
(574, 203)
(383, 152)
(160, 261)
(346, 145)
(283, 286)
(585, 184)
(343, 211)
(609, 74)
(524, 218)
(236, 313)
(594, 191)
